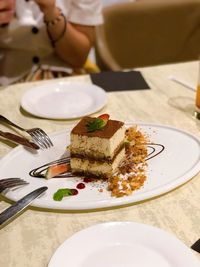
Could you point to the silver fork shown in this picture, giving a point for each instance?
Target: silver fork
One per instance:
(37, 134)
(10, 183)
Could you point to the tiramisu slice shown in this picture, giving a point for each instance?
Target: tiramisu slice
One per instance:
(97, 146)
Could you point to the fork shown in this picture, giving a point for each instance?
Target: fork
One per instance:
(10, 183)
(37, 134)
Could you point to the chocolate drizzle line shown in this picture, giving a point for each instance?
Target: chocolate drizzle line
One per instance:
(156, 150)
(39, 172)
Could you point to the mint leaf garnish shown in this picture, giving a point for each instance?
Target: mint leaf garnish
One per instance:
(96, 124)
(63, 192)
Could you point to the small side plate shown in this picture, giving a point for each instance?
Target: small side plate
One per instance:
(63, 100)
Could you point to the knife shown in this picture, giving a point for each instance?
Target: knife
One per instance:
(20, 205)
(18, 139)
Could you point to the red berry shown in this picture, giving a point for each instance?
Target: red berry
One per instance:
(80, 186)
(104, 117)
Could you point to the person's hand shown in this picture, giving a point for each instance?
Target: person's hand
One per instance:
(45, 5)
(7, 10)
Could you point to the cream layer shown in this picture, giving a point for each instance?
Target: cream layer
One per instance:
(96, 147)
(93, 167)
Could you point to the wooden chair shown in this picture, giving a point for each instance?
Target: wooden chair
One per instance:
(148, 32)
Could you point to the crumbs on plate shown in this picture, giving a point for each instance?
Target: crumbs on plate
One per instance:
(131, 173)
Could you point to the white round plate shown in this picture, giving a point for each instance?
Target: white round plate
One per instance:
(63, 100)
(177, 164)
(123, 244)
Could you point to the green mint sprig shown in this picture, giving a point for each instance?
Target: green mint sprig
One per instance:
(96, 124)
(63, 192)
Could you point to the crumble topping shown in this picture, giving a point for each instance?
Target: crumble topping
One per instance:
(131, 173)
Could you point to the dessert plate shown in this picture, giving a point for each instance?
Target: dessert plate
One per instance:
(63, 100)
(123, 244)
(175, 165)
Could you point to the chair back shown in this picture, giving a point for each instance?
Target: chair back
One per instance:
(146, 33)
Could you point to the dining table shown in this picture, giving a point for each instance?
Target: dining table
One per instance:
(32, 238)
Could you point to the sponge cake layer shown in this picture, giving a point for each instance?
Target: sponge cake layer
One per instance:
(85, 166)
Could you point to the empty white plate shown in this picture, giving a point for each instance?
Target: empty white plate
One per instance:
(63, 100)
(123, 244)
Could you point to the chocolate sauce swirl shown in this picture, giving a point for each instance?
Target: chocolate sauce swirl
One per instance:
(40, 171)
(156, 149)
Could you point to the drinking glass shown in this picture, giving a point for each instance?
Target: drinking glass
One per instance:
(197, 97)
(190, 105)
(197, 100)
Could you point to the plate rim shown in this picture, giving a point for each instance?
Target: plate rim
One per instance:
(114, 202)
(98, 107)
(121, 224)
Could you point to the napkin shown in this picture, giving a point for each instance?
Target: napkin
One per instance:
(119, 80)
(196, 246)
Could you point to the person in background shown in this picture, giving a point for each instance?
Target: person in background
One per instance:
(50, 35)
